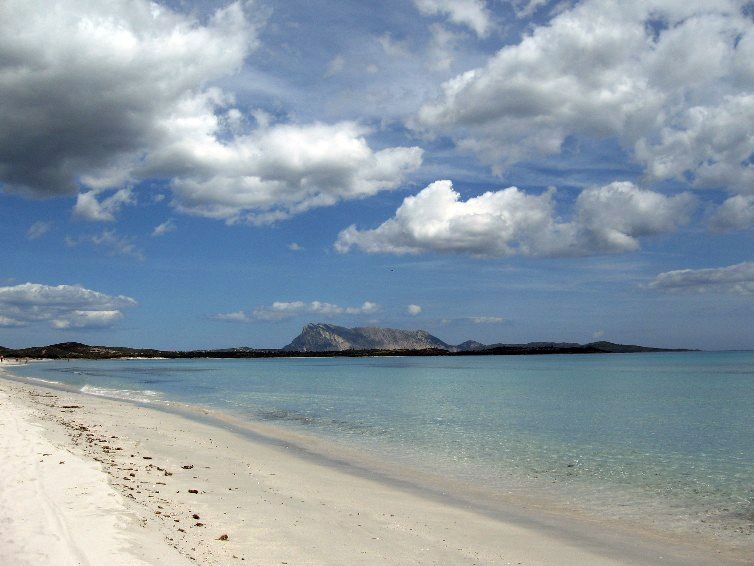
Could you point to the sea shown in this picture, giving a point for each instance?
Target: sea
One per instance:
(664, 440)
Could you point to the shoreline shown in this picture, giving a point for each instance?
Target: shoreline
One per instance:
(348, 499)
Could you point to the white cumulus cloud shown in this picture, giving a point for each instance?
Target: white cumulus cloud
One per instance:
(280, 170)
(738, 279)
(413, 310)
(507, 222)
(88, 88)
(736, 213)
(60, 306)
(672, 81)
(613, 217)
(89, 207)
(98, 96)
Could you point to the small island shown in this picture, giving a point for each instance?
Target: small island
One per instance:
(329, 340)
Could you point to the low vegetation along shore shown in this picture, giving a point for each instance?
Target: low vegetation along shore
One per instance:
(89, 479)
(328, 340)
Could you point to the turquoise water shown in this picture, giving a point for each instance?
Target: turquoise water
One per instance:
(666, 438)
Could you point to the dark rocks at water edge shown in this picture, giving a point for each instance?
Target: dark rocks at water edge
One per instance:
(328, 340)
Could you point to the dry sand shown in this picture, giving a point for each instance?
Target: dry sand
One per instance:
(57, 507)
(142, 485)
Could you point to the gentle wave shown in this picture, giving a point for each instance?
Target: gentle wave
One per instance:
(143, 396)
(39, 379)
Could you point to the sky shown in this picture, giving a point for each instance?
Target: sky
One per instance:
(206, 174)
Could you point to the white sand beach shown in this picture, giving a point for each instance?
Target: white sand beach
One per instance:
(57, 507)
(89, 480)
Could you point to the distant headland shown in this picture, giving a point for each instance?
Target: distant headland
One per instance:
(328, 340)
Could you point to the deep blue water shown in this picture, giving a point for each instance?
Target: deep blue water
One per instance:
(669, 434)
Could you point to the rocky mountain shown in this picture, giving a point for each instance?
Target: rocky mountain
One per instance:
(320, 337)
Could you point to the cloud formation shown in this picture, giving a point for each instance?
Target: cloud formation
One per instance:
(61, 306)
(164, 228)
(97, 96)
(335, 66)
(487, 319)
(525, 8)
(280, 170)
(737, 279)
(38, 229)
(470, 13)
(280, 310)
(612, 218)
(413, 310)
(111, 242)
(89, 207)
(235, 316)
(87, 87)
(670, 80)
(508, 222)
(736, 213)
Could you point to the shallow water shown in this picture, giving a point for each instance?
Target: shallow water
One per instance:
(663, 438)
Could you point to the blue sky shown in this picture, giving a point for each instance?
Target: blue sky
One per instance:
(210, 174)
